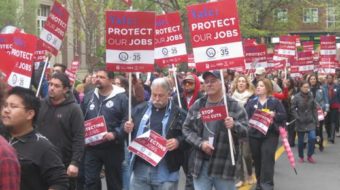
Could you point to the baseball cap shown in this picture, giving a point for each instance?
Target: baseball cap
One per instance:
(213, 73)
(260, 71)
(189, 78)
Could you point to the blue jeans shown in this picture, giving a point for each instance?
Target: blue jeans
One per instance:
(145, 177)
(126, 168)
(204, 182)
(311, 142)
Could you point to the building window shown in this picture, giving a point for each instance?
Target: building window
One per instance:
(281, 15)
(43, 12)
(311, 15)
(331, 17)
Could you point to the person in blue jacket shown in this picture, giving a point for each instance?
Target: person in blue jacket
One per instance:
(263, 146)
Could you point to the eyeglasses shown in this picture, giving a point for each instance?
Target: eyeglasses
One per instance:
(12, 106)
(188, 84)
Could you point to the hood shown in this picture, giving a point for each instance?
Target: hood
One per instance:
(69, 99)
(116, 90)
(196, 91)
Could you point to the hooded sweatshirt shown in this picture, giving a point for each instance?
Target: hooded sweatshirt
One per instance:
(196, 95)
(114, 109)
(63, 125)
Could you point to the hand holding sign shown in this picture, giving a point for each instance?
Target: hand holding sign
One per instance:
(229, 122)
(109, 136)
(128, 126)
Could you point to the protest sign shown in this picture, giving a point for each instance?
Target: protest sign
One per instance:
(261, 121)
(249, 42)
(40, 52)
(150, 146)
(215, 35)
(54, 28)
(287, 46)
(23, 48)
(75, 66)
(255, 56)
(327, 46)
(321, 115)
(130, 41)
(71, 75)
(169, 40)
(213, 113)
(191, 61)
(304, 62)
(308, 46)
(7, 63)
(6, 42)
(95, 130)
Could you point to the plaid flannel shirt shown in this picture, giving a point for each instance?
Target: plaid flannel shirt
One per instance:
(220, 164)
(9, 167)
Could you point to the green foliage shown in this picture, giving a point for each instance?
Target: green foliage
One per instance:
(8, 12)
(29, 16)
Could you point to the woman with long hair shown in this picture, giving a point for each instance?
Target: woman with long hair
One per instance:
(242, 91)
(320, 98)
(263, 145)
(304, 109)
(291, 91)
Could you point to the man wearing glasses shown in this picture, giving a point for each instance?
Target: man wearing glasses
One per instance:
(41, 165)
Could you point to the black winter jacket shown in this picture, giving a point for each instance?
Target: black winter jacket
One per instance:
(174, 159)
(114, 109)
(63, 125)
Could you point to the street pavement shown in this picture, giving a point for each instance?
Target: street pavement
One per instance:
(324, 174)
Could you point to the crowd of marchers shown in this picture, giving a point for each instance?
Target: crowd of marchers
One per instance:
(43, 138)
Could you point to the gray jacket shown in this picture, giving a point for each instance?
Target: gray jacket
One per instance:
(304, 110)
(220, 162)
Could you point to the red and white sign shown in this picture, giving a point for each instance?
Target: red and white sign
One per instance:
(297, 40)
(308, 46)
(6, 42)
(327, 45)
(130, 41)
(95, 130)
(249, 42)
(213, 113)
(40, 52)
(71, 75)
(255, 56)
(7, 64)
(191, 61)
(75, 66)
(261, 121)
(215, 35)
(169, 40)
(328, 60)
(55, 28)
(150, 146)
(304, 62)
(23, 48)
(321, 115)
(287, 46)
(328, 70)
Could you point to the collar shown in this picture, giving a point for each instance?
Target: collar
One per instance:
(24, 138)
